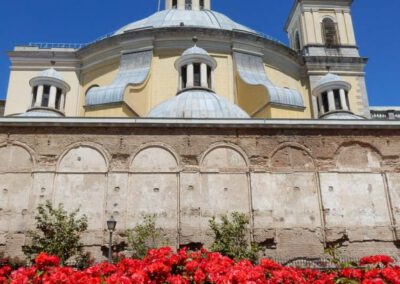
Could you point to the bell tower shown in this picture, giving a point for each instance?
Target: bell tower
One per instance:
(188, 4)
(322, 32)
(317, 25)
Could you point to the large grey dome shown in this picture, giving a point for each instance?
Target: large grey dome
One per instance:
(195, 103)
(188, 18)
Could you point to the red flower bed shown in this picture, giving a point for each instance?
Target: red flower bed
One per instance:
(202, 267)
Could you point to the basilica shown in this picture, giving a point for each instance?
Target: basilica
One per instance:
(188, 115)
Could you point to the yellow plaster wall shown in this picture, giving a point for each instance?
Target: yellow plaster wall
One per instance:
(254, 99)
(283, 80)
(165, 78)
(356, 94)
(101, 74)
(110, 111)
(19, 94)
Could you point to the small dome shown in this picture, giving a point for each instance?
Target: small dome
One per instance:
(188, 18)
(330, 81)
(41, 113)
(195, 50)
(341, 115)
(194, 103)
(329, 78)
(51, 73)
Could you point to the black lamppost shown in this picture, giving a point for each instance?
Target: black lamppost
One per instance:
(111, 224)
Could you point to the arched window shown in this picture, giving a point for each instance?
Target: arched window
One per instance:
(184, 76)
(329, 31)
(174, 4)
(297, 44)
(201, 4)
(58, 99)
(197, 74)
(325, 102)
(46, 96)
(188, 4)
(34, 92)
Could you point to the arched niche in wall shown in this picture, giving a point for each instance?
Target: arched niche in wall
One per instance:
(81, 182)
(354, 196)
(286, 196)
(358, 158)
(224, 182)
(292, 157)
(16, 182)
(153, 188)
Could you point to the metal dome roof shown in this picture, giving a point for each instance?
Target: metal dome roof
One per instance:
(187, 18)
(195, 50)
(195, 103)
(40, 113)
(51, 73)
(329, 78)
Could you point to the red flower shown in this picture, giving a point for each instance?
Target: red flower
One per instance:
(44, 260)
(377, 259)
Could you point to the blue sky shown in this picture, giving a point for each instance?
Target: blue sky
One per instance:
(79, 21)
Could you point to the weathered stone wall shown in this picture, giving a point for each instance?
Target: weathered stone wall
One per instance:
(302, 188)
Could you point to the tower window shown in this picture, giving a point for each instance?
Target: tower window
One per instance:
(318, 106)
(184, 76)
(46, 96)
(325, 101)
(347, 99)
(297, 44)
(188, 4)
(338, 103)
(174, 4)
(58, 99)
(197, 74)
(201, 4)
(329, 30)
(34, 93)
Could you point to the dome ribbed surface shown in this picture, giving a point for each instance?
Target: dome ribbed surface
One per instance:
(329, 78)
(51, 73)
(197, 104)
(187, 18)
(195, 50)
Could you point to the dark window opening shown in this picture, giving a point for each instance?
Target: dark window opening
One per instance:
(46, 96)
(209, 72)
(325, 102)
(34, 93)
(188, 4)
(184, 76)
(174, 4)
(329, 30)
(318, 107)
(338, 102)
(58, 99)
(347, 100)
(297, 41)
(201, 4)
(197, 74)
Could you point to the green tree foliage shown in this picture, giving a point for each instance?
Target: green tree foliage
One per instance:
(57, 233)
(231, 237)
(143, 237)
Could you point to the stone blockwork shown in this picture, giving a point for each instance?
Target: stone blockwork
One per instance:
(303, 188)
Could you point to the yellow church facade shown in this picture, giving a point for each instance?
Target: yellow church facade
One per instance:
(260, 75)
(188, 115)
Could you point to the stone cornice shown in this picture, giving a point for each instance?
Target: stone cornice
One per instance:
(196, 123)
